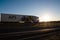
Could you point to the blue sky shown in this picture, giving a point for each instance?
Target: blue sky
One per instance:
(39, 8)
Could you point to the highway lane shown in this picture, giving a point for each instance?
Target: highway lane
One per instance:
(34, 31)
(27, 34)
(40, 36)
(42, 30)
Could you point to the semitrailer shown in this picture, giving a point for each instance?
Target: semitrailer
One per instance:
(4, 18)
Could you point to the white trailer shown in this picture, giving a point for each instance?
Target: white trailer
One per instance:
(17, 18)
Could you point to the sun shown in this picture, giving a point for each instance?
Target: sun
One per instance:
(45, 18)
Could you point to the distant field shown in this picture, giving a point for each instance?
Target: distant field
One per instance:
(48, 24)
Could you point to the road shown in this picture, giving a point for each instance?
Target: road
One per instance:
(30, 35)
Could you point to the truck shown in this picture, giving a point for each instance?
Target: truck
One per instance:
(18, 18)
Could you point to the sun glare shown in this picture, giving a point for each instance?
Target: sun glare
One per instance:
(45, 18)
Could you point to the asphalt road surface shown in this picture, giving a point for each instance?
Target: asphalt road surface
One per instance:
(43, 34)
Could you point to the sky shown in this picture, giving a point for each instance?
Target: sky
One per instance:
(49, 9)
